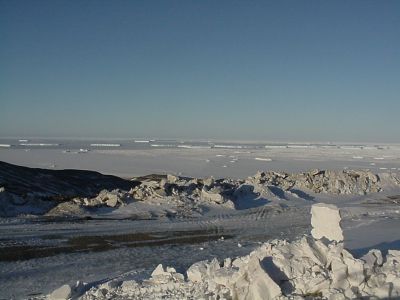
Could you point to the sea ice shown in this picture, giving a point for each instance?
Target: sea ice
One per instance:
(276, 270)
(325, 220)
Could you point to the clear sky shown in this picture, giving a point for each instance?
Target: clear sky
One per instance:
(255, 70)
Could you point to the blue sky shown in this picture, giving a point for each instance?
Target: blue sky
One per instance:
(246, 70)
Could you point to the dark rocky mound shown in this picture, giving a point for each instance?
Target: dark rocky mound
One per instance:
(58, 184)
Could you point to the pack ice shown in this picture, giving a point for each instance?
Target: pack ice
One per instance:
(75, 193)
(313, 267)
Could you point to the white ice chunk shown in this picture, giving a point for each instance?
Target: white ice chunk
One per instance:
(325, 220)
(62, 293)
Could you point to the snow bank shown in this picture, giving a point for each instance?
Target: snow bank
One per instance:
(308, 267)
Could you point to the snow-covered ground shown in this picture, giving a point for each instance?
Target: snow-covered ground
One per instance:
(41, 253)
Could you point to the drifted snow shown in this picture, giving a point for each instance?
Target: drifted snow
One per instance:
(276, 270)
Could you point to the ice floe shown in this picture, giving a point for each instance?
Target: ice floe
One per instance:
(105, 145)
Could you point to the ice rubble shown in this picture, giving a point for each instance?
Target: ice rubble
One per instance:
(63, 292)
(227, 191)
(324, 181)
(189, 195)
(112, 198)
(306, 268)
